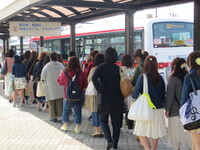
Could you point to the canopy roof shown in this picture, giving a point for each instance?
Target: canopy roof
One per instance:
(72, 11)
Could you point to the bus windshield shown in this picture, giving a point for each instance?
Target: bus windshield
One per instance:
(172, 34)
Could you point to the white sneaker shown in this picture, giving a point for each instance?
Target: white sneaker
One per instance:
(130, 131)
(21, 104)
(14, 104)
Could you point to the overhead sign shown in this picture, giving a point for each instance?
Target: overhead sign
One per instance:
(34, 28)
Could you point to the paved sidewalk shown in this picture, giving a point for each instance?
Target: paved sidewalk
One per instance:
(27, 129)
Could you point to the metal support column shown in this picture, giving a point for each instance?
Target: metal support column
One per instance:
(41, 43)
(4, 46)
(72, 36)
(7, 44)
(21, 45)
(196, 25)
(129, 32)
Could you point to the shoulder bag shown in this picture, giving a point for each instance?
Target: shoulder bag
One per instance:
(141, 110)
(126, 86)
(190, 111)
(5, 68)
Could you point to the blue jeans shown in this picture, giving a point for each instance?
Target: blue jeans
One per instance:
(116, 125)
(95, 119)
(66, 112)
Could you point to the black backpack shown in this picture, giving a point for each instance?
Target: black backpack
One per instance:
(73, 91)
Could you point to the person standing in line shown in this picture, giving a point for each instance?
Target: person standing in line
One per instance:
(127, 64)
(36, 78)
(193, 62)
(91, 98)
(60, 59)
(54, 91)
(73, 69)
(91, 63)
(177, 137)
(106, 80)
(27, 56)
(139, 57)
(20, 79)
(10, 61)
(30, 67)
(155, 128)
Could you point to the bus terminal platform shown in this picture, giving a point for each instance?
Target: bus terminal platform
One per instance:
(26, 128)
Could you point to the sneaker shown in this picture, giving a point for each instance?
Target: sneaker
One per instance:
(130, 131)
(14, 104)
(97, 134)
(110, 145)
(65, 128)
(21, 104)
(53, 120)
(77, 130)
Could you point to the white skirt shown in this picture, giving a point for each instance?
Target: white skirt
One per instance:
(176, 136)
(155, 128)
(20, 83)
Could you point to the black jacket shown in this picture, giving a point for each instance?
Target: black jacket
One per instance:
(106, 80)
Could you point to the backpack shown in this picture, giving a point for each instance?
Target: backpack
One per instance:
(73, 92)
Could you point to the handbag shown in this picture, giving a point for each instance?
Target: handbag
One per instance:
(140, 110)
(91, 89)
(40, 89)
(190, 111)
(126, 86)
(5, 68)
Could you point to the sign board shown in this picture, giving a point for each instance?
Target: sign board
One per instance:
(33, 46)
(34, 28)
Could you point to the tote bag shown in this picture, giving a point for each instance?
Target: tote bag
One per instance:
(141, 110)
(190, 111)
(126, 86)
(91, 89)
(5, 68)
(40, 89)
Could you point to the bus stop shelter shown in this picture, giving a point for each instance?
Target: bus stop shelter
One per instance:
(71, 12)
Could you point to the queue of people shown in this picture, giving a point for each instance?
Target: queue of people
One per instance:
(96, 87)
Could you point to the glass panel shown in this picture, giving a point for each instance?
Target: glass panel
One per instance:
(63, 10)
(47, 46)
(115, 38)
(38, 15)
(51, 13)
(80, 9)
(56, 46)
(172, 34)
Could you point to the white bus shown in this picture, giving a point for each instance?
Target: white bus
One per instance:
(163, 38)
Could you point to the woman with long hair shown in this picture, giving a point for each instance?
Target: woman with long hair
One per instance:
(176, 135)
(155, 128)
(20, 79)
(36, 78)
(193, 63)
(73, 69)
(91, 99)
(30, 66)
(9, 59)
